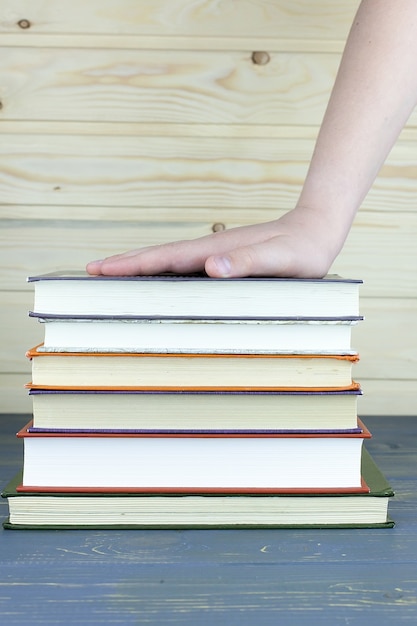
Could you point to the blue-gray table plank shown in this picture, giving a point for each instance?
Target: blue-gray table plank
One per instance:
(242, 577)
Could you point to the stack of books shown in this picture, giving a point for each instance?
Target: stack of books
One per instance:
(192, 402)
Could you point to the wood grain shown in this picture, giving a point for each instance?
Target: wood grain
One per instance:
(14, 396)
(151, 171)
(380, 340)
(133, 122)
(287, 19)
(383, 396)
(180, 172)
(182, 87)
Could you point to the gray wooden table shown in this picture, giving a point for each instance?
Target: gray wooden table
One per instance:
(242, 577)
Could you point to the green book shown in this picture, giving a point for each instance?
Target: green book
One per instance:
(107, 510)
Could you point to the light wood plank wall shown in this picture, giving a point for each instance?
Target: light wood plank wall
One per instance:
(130, 122)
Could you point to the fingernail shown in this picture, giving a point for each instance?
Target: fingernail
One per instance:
(93, 267)
(223, 265)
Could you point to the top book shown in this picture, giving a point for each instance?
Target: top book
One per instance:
(194, 296)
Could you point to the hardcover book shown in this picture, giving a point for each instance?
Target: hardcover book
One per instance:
(191, 371)
(190, 402)
(289, 335)
(194, 296)
(190, 462)
(109, 509)
(195, 410)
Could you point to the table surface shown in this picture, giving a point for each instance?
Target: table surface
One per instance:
(219, 577)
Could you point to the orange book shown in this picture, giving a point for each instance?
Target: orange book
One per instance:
(190, 371)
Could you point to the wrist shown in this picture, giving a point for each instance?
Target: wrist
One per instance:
(321, 231)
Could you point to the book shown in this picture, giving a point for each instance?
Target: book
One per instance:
(73, 510)
(159, 411)
(191, 461)
(193, 296)
(94, 334)
(190, 371)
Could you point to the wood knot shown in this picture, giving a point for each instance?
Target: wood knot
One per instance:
(217, 227)
(260, 58)
(24, 24)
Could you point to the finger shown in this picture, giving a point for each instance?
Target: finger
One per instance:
(275, 257)
(97, 266)
(93, 267)
(179, 257)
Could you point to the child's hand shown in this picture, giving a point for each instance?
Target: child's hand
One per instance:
(298, 244)
(374, 93)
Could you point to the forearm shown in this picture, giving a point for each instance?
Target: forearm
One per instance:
(373, 96)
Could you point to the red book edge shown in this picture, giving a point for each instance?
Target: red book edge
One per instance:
(172, 491)
(364, 434)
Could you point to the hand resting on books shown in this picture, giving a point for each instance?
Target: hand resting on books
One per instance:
(363, 119)
(296, 245)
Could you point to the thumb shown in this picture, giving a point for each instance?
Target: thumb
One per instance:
(269, 258)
